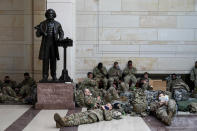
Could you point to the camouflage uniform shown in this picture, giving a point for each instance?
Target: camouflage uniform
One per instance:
(79, 98)
(193, 78)
(114, 74)
(4, 98)
(146, 85)
(87, 117)
(139, 102)
(11, 84)
(123, 87)
(129, 75)
(176, 84)
(100, 76)
(111, 95)
(26, 87)
(8, 88)
(91, 85)
(165, 112)
(1, 84)
(91, 102)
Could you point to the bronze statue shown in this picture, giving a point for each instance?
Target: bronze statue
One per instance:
(51, 32)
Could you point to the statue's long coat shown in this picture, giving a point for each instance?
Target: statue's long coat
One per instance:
(58, 34)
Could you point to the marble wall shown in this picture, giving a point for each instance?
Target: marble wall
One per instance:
(15, 38)
(160, 36)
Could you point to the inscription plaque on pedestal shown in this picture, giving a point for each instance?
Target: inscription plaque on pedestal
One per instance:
(55, 96)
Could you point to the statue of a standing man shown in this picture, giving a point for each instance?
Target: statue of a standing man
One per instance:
(51, 31)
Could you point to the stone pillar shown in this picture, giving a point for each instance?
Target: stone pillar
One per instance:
(65, 10)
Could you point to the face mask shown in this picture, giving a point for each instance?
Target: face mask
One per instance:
(106, 108)
(163, 98)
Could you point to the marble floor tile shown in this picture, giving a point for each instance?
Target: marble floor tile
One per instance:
(128, 123)
(44, 121)
(10, 113)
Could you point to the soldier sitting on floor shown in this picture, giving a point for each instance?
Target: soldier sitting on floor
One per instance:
(91, 116)
(178, 88)
(26, 86)
(100, 75)
(144, 81)
(8, 87)
(129, 75)
(114, 73)
(164, 109)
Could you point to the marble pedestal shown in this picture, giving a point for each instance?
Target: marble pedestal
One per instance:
(55, 96)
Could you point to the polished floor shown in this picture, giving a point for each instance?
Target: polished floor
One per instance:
(22, 117)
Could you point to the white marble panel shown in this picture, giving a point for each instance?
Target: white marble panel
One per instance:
(187, 22)
(44, 121)
(10, 113)
(176, 34)
(128, 123)
(120, 21)
(109, 5)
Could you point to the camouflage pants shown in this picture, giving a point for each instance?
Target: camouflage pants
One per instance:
(4, 98)
(8, 91)
(166, 113)
(131, 78)
(80, 118)
(112, 79)
(111, 95)
(123, 87)
(195, 84)
(25, 90)
(140, 107)
(162, 114)
(103, 80)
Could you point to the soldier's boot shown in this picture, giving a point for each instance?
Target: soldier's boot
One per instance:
(144, 114)
(167, 121)
(133, 114)
(59, 121)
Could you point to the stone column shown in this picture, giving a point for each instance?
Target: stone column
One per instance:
(65, 10)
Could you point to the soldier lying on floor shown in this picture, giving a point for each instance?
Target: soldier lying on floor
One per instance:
(91, 116)
(164, 109)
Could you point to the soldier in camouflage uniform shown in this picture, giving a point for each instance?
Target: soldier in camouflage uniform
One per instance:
(164, 109)
(145, 81)
(8, 87)
(193, 77)
(139, 102)
(114, 73)
(26, 86)
(178, 88)
(90, 84)
(91, 116)
(90, 101)
(176, 83)
(100, 75)
(129, 74)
